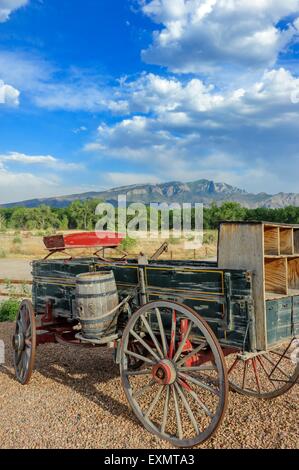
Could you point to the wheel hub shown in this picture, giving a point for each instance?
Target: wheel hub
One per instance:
(19, 342)
(164, 373)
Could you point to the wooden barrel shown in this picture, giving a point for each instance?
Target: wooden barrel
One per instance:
(96, 296)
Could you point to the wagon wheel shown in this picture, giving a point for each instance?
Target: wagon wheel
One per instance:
(180, 392)
(133, 362)
(24, 343)
(266, 376)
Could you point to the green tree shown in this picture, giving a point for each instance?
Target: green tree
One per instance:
(82, 214)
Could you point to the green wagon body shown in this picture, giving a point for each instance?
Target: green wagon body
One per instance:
(222, 297)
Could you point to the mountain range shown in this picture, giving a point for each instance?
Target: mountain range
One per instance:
(201, 191)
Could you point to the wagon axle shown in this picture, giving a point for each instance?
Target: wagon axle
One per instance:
(164, 373)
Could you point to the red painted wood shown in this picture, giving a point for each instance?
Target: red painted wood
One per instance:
(84, 240)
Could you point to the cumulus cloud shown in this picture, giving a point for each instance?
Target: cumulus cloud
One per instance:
(8, 95)
(204, 35)
(46, 160)
(187, 129)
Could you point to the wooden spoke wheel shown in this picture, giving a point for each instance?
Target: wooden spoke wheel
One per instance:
(180, 391)
(266, 376)
(24, 343)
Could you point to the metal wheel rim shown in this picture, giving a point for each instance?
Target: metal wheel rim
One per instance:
(264, 366)
(219, 361)
(24, 357)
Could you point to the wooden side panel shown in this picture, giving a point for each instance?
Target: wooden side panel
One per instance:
(293, 273)
(271, 239)
(56, 280)
(296, 241)
(276, 280)
(185, 279)
(283, 319)
(286, 241)
(241, 246)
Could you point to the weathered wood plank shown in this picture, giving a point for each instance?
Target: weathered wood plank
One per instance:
(296, 241)
(286, 241)
(293, 273)
(271, 240)
(241, 246)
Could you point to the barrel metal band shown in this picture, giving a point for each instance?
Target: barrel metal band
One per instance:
(95, 296)
(99, 281)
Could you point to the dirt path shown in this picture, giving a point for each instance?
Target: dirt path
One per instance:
(15, 269)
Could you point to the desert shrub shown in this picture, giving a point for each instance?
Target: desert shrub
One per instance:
(2, 253)
(17, 240)
(128, 244)
(210, 238)
(174, 241)
(9, 309)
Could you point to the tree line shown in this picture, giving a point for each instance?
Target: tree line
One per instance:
(80, 215)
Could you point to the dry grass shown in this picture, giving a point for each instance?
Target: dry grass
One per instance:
(28, 245)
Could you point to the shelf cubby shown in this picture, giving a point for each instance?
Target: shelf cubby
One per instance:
(271, 252)
(276, 276)
(286, 237)
(271, 240)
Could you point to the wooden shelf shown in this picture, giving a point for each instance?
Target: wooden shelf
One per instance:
(275, 296)
(276, 275)
(295, 255)
(271, 252)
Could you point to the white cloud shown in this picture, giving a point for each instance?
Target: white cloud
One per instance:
(49, 87)
(117, 179)
(80, 129)
(8, 6)
(203, 35)
(17, 186)
(46, 160)
(188, 129)
(22, 185)
(8, 95)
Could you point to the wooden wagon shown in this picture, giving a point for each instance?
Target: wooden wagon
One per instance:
(183, 332)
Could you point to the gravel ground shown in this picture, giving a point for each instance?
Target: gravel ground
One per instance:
(75, 400)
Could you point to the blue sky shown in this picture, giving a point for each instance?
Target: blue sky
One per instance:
(104, 93)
